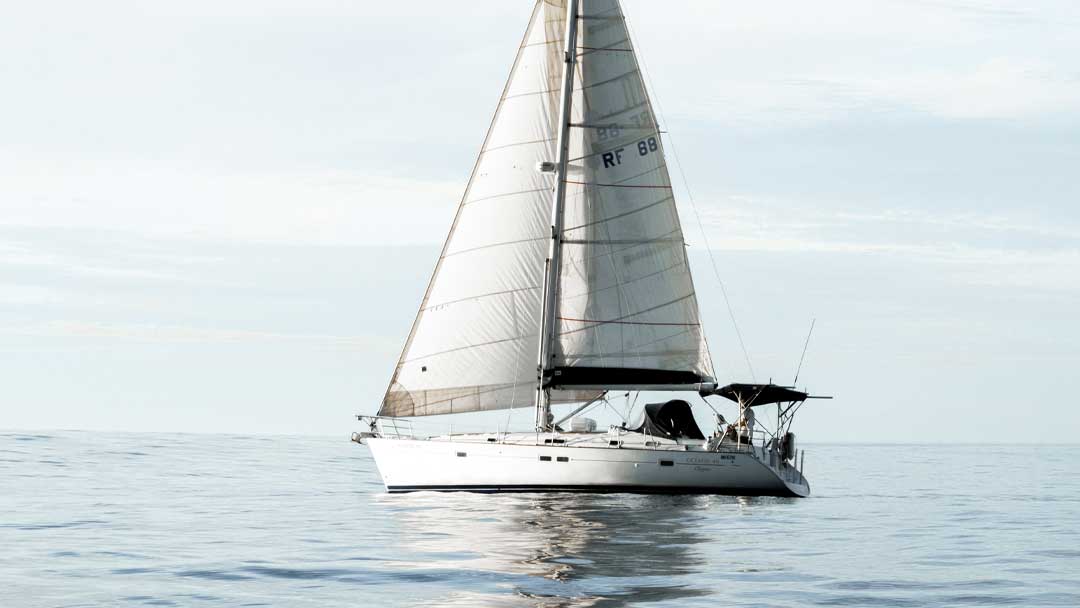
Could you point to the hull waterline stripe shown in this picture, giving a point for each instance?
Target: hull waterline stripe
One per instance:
(601, 489)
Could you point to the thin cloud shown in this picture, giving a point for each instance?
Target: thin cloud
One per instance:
(324, 207)
(153, 333)
(983, 249)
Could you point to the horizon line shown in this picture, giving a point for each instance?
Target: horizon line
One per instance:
(39, 431)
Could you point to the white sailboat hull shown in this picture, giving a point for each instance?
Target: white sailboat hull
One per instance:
(478, 465)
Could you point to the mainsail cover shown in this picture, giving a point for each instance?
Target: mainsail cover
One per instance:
(474, 342)
(627, 311)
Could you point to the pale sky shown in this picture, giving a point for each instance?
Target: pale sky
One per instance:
(221, 216)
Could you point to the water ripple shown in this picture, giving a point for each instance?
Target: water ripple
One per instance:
(102, 520)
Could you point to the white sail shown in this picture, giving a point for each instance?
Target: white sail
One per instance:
(626, 311)
(626, 307)
(473, 344)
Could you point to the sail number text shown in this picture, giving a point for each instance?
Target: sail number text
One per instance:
(644, 148)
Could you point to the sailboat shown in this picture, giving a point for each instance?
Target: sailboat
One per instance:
(565, 278)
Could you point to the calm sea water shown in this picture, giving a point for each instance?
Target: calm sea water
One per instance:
(182, 520)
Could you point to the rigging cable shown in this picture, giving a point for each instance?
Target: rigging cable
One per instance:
(799, 370)
(693, 205)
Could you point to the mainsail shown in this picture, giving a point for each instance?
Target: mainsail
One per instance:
(627, 312)
(626, 308)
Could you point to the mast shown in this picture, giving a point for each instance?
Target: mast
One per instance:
(551, 275)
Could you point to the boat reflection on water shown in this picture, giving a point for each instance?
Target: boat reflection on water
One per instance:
(558, 549)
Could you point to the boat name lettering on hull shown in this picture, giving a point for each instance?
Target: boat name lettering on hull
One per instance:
(714, 460)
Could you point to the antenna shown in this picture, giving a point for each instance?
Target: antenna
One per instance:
(799, 370)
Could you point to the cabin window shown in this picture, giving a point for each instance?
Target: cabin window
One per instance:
(554, 441)
(563, 459)
(492, 439)
(613, 442)
(667, 463)
(545, 458)
(461, 454)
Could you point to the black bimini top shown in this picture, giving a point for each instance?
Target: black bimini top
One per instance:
(760, 394)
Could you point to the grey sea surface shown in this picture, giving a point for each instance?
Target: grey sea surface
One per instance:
(89, 519)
